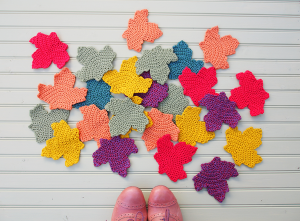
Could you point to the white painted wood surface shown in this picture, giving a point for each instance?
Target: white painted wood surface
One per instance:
(36, 188)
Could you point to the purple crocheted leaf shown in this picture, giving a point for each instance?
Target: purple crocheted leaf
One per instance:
(221, 110)
(213, 176)
(116, 152)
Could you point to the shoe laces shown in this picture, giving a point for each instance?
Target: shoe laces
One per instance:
(167, 215)
(135, 218)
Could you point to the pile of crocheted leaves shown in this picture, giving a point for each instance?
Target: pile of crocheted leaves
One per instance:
(171, 158)
(140, 30)
(62, 95)
(65, 143)
(50, 48)
(213, 176)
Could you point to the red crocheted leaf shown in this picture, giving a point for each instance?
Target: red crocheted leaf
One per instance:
(171, 158)
(62, 95)
(198, 85)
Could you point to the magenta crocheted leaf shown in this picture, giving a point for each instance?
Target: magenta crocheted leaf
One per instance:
(213, 176)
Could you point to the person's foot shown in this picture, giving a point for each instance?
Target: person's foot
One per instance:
(162, 205)
(130, 205)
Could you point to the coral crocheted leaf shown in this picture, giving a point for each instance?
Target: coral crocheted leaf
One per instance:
(127, 81)
(220, 110)
(198, 85)
(156, 61)
(62, 95)
(162, 125)
(50, 48)
(42, 120)
(96, 63)
(215, 49)
(171, 158)
(184, 55)
(251, 93)
(126, 115)
(191, 129)
(140, 30)
(65, 143)
(213, 176)
(116, 152)
(242, 145)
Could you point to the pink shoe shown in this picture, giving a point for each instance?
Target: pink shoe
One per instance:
(130, 206)
(162, 205)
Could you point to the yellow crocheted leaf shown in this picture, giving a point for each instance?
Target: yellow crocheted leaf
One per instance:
(191, 129)
(137, 99)
(127, 81)
(65, 142)
(242, 145)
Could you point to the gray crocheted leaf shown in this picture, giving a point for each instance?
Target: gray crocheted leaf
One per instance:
(42, 120)
(96, 63)
(156, 60)
(175, 103)
(126, 115)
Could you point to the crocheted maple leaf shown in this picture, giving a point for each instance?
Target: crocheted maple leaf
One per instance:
(65, 142)
(191, 129)
(251, 93)
(215, 49)
(42, 120)
(50, 48)
(162, 125)
(127, 81)
(62, 95)
(198, 85)
(184, 55)
(213, 176)
(156, 61)
(116, 152)
(242, 145)
(94, 124)
(171, 158)
(140, 30)
(126, 115)
(96, 63)
(220, 109)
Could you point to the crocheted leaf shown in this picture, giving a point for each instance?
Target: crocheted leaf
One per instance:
(215, 49)
(126, 115)
(156, 61)
(191, 129)
(220, 109)
(171, 158)
(184, 55)
(127, 81)
(213, 176)
(98, 93)
(198, 85)
(140, 30)
(95, 63)
(242, 145)
(162, 125)
(62, 95)
(94, 124)
(116, 152)
(251, 93)
(42, 120)
(65, 143)
(50, 48)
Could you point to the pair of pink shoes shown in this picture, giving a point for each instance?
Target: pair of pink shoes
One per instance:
(131, 205)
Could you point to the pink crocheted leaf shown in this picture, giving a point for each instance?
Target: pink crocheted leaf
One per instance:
(171, 158)
(50, 48)
(213, 176)
(251, 93)
(198, 85)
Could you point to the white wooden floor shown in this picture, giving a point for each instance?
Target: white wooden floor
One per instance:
(35, 188)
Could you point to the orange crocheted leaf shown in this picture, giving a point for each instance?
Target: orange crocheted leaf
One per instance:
(62, 95)
(215, 49)
(140, 30)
